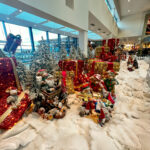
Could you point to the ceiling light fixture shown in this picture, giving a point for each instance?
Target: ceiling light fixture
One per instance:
(20, 10)
(35, 25)
(92, 24)
(128, 10)
(129, 0)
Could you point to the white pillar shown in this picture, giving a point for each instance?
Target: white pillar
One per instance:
(83, 41)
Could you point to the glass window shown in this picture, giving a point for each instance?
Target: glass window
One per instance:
(64, 40)
(53, 37)
(38, 35)
(24, 32)
(2, 36)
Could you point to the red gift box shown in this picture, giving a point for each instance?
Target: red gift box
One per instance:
(81, 81)
(72, 65)
(9, 78)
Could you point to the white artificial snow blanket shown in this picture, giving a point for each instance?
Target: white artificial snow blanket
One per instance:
(128, 129)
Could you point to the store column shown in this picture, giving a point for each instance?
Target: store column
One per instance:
(83, 41)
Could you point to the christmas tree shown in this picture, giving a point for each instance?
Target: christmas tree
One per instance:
(90, 53)
(63, 53)
(22, 73)
(80, 54)
(73, 53)
(42, 59)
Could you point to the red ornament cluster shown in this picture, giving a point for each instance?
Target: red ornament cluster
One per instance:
(7, 79)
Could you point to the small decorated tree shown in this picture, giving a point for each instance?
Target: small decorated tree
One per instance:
(22, 73)
(63, 53)
(90, 55)
(73, 53)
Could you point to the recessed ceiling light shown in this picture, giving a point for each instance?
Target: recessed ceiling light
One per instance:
(92, 24)
(20, 10)
(128, 10)
(129, 0)
(7, 18)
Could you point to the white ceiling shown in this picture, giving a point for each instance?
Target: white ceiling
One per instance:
(103, 32)
(133, 6)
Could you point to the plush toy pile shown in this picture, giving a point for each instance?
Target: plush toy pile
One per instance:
(99, 97)
(132, 64)
(51, 99)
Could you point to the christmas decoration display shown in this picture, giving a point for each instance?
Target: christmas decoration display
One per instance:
(22, 73)
(51, 100)
(90, 55)
(80, 55)
(110, 82)
(135, 63)
(81, 81)
(73, 53)
(96, 108)
(112, 43)
(72, 65)
(63, 54)
(98, 66)
(13, 101)
(67, 79)
(130, 64)
(104, 54)
(42, 59)
(12, 43)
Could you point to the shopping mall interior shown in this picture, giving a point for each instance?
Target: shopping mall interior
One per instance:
(74, 74)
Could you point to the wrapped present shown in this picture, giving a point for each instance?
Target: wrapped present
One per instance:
(101, 50)
(72, 65)
(67, 80)
(97, 66)
(81, 81)
(9, 115)
(12, 43)
(8, 75)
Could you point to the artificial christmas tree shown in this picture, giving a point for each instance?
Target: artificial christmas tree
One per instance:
(73, 53)
(22, 73)
(42, 59)
(80, 54)
(90, 55)
(63, 53)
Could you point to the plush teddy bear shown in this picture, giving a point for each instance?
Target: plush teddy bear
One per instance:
(12, 99)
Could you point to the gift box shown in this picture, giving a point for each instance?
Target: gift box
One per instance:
(97, 66)
(101, 50)
(67, 80)
(72, 65)
(9, 78)
(12, 43)
(8, 75)
(81, 82)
